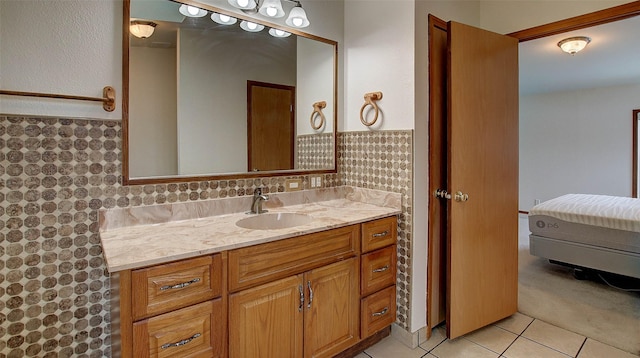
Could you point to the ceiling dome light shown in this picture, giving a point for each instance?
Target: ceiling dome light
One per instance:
(142, 29)
(271, 8)
(223, 19)
(243, 4)
(279, 33)
(297, 17)
(572, 45)
(191, 11)
(251, 26)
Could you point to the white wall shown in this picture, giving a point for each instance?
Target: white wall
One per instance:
(576, 142)
(212, 95)
(153, 112)
(315, 68)
(70, 47)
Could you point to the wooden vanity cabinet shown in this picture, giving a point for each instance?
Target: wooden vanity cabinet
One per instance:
(378, 272)
(174, 310)
(325, 294)
(314, 314)
(311, 306)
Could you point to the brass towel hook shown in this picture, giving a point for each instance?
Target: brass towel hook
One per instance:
(370, 99)
(317, 109)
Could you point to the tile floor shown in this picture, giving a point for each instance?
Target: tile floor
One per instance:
(518, 336)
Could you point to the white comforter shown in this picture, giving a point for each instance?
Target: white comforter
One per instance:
(613, 212)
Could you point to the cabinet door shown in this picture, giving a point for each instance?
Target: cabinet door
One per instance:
(332, 308)
(266, 321)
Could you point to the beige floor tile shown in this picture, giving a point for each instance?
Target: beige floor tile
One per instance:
(389, 347)
(462, 348)
(361, 355)
(554, 337)
(516, 323)
(438, 335)
(524, 348)
(595, 349)
(492, 337)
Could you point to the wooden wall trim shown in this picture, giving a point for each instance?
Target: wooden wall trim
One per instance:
(579, 22)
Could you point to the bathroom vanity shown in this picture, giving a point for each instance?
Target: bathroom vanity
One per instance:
(322, 288)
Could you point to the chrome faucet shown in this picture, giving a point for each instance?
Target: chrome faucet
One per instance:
(258, 198)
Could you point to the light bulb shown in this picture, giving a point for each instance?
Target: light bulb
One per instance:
(297, 21)
(252, 25)
(193, 10)
(280, 32)
(243, 3)
(224, 18)
(272, 11)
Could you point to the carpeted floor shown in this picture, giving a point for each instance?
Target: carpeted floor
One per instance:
(588, 307)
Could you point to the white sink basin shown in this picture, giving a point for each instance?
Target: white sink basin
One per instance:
(274, 221)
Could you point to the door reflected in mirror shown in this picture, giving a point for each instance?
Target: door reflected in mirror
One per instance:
(190, 108)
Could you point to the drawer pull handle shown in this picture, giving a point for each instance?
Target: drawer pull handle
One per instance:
(180, 343)
(310, 294)
(301, 298)
(381, 313)
(381, 234)
(179, 285)
(382, 269)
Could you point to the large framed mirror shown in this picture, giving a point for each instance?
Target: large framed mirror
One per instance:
(206, 101)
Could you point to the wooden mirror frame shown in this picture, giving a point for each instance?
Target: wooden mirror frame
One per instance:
(127, 180)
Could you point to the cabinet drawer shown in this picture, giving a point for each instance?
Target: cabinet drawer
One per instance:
(195, 331)
(378, 311)
(379, 233)
(378, 270)
(166, 287)
(259, 264)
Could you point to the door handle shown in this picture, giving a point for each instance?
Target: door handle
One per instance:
(442, 194)
(460, 196)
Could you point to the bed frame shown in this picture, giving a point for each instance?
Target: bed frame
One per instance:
(579, 254)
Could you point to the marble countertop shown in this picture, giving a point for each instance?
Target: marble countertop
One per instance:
(135, 246)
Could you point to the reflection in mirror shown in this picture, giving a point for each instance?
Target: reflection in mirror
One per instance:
(194, 110)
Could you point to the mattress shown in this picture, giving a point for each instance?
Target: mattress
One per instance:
(598, 220)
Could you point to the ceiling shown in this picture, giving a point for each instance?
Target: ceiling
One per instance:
(612, 58)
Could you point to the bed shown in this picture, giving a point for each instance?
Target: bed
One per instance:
(599, 232)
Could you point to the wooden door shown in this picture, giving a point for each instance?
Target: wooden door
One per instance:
(436, 256)
(332, 316)
(267, 321)
(482, 134)
(271, 131)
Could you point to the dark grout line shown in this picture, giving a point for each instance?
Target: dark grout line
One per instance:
(581, 346)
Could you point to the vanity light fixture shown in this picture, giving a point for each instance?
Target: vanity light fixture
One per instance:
(279, 33)
(192, 11)
(223, 19)
(572, 45)
(142, 29)
(243, 4)
(297, 17)
(251, 26)
(271, 8)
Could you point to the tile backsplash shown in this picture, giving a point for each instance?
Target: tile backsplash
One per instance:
(56, 173)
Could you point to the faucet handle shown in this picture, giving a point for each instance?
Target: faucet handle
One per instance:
(258, 191)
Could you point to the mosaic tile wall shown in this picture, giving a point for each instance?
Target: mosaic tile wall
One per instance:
(315, 151)
(383, 160)
(55, 174)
